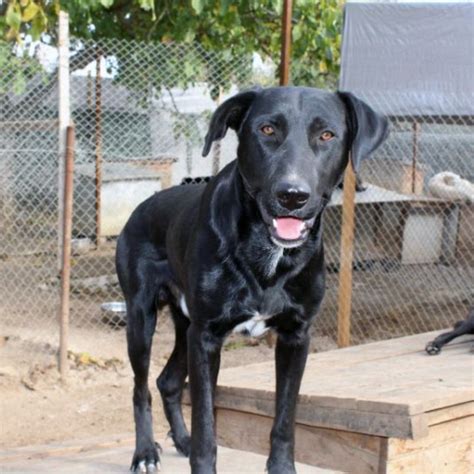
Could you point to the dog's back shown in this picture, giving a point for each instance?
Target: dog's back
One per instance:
(152, 218)
(149, 225)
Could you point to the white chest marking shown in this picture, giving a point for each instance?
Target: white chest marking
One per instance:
(254, 327)
(274, 257)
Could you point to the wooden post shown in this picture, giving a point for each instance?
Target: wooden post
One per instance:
(64, 118)
(284, 80)
(346, 257)
(286, 43)
(66, 253)
(98, 149)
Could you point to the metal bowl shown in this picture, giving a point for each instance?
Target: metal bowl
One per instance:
(114, 313)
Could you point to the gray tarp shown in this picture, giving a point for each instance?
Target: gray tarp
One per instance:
(412, 58)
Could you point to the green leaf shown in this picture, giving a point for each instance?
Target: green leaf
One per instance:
(145, 4)
(12, 34)
(30, 12)
(107, 3)
(19, 84)
(297, 32)
(189, 37)
(13, 16)
(198, 6)
(37, 27)
(225, 6)
(148, 5)
(278, 6)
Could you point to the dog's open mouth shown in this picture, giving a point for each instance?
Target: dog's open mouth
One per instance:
(290, 231)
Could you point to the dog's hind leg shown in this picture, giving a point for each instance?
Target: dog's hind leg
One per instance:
(170, 383)
(460, 328)
(141, 323)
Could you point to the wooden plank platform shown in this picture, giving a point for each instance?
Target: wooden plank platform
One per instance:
(381, 407)
(113, 455)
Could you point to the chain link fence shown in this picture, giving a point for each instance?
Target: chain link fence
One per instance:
(29, 290)
(413, 266)
(141, 113)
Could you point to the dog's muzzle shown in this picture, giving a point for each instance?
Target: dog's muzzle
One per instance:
(290, 231)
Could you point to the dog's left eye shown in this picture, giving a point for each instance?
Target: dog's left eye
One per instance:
(267, 130)
(326, 136)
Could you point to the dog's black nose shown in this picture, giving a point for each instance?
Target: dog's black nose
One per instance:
(292, 198)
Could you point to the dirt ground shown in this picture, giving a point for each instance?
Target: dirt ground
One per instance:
(36, 408)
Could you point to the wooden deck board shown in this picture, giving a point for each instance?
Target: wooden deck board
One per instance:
(376, 388)
(385, 407)
(113, 455)
(392, 377)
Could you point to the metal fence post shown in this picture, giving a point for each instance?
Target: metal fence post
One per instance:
(66, 253)
(64, 116)
(216, 156)
(98, 149)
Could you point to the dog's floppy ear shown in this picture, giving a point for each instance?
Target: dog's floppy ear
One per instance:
(367, 129)
(229, 114)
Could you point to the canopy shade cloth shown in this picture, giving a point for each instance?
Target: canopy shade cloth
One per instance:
(412, 58)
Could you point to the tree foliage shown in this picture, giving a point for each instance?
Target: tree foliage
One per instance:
(237, 26)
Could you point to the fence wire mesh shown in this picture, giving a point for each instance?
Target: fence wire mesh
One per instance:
(28, 202)
(413, 268)
(141, 113)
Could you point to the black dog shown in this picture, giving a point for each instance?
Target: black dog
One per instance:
(243, 252)
(461, 328)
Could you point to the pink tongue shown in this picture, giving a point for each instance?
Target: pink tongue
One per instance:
(289, 228)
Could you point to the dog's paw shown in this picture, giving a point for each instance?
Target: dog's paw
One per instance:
(147, 460)
(182, 443)
(143, 468)
(432, 348)
(280, 467)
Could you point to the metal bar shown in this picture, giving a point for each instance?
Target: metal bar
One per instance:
(66, 253)
(216, 156)
(98, 148)
(64, 116)
(286, 43)
(346, 258)
(30, 125)
(416, 129)
(436, 119)
(450, 234)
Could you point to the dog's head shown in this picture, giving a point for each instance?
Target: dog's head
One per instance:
(293, 150)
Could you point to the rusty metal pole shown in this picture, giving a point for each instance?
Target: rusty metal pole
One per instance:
(66, 253)
(98, 149)
(286, 43)
(284, 80)
(346, 258)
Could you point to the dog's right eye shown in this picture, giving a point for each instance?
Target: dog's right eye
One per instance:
(267, 130)
(326, 136)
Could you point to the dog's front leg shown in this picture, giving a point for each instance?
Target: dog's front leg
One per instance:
(203, 361)
(290, 359)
